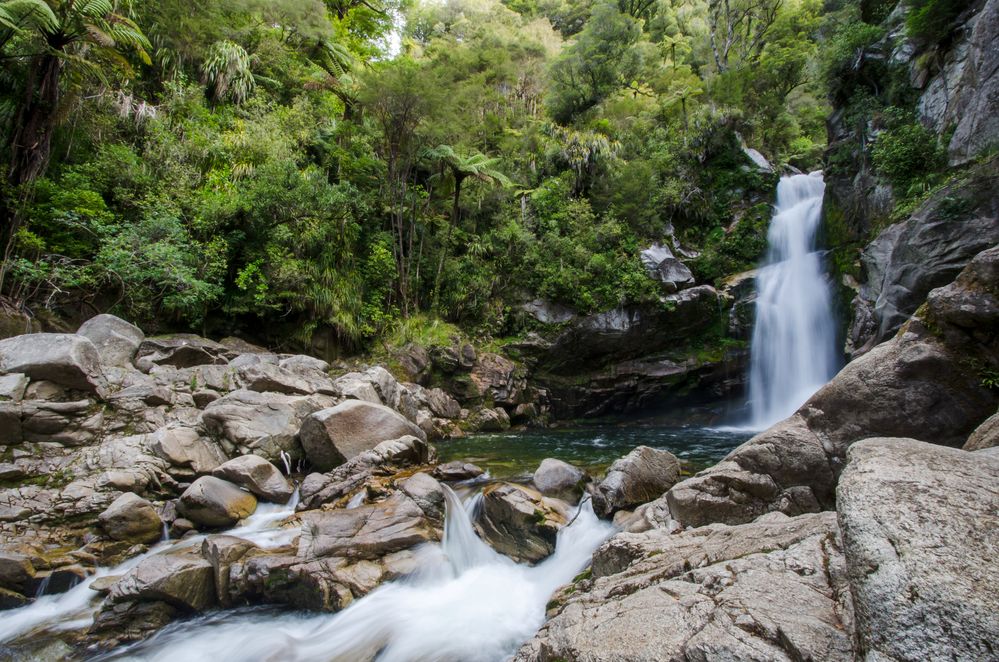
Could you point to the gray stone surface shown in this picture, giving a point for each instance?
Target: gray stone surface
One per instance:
(258, 476)
(132, 519)
(773, 590)
(520, 522)
(985, 435)
(641, 476)
(64, 358)
(214, 502)
(332, 436)
(559, 479)
(116, 340)
(921, 529)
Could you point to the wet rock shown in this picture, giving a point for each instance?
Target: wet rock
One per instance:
(922, 383)
(520, 522)
(17, 573)
(182, 350)
(369, 531)
(457, 471)
(116, 340)
(490, 420)
(265, 424)
(182, 580)
(332, 436)
(559, 479)
(495, 378)
(63, 358)
(385, 459)
(920, 529)
(258, 476)
(773, 590)
(985, 435)
(132, 519)
(132, 620)
(215, 502)
(427, 493)
(641, 476)
(221, 552)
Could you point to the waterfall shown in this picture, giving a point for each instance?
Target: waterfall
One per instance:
(467, 604)
(794, 339)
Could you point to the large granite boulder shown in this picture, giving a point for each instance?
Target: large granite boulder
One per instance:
(520, 522)
(925, 383)
(265, 424)
(559, 479)
(214, 502)
(116, 340)
(294, 375)
(182, 350)
(772, 590)
(63, 358)
(920, 531)
(985, 435)
(183, 580)
(332, 436)
(186, 450)
(257, 475)
(641, 476)
(132, 519)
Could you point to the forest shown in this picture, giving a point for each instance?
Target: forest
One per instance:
(330, 174)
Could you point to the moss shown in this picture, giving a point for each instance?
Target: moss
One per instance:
(586, 574)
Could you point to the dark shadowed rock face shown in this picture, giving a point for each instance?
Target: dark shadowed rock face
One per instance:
(920, 530)
(770, 590)
(927, 382)
(520, 522)
(928, 250)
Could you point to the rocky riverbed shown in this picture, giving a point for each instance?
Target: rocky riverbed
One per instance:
(150, 480)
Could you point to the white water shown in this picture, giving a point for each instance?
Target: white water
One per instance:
(467, 604)
(794, 339)
(75, 609)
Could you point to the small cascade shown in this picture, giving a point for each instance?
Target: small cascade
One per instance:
(794, 338)
(473, 605)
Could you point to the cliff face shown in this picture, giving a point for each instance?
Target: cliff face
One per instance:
(892, 266)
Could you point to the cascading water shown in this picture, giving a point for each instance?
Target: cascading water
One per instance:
(467, 604)
(794, 339)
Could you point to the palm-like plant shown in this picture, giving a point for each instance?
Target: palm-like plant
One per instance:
(459, 168)
(226, 72)
(77, 37)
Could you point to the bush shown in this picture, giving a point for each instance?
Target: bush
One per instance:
(905, 154)
(932, 21)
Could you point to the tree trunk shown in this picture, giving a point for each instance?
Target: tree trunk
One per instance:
(31, 141)
(455, 210)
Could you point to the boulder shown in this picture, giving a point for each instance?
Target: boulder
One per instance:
(258, 476)
(63, 358)
(17, 572)
(385, 459)
(773, 590)
(520, 522)
(265, 424)
(490, 420)
(924, 383)
(299, 375)
(332, 436)
(184, 448)
(457, 471)
(182, 580)
(427, 493)
(12, 387)
(496, 378)
(559, 479)
(920, 531)
(663, 266)
(369, 531)
(221, 552)
(116, 340)
(132, 519)
(182, 350)
(985, 435)
(641, 476)
(214, 502)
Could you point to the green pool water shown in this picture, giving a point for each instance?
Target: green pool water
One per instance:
(593, 447)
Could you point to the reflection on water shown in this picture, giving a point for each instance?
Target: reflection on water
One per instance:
(593, 447)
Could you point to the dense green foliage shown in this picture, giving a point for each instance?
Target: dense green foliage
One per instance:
(299, 171)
